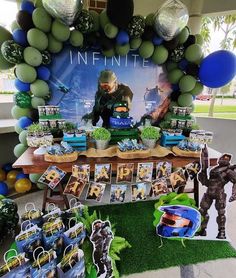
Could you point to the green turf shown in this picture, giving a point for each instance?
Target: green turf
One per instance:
(134, 222)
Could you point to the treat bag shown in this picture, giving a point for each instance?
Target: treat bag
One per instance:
(29, 239)
(53, 212)
(76, 209)
(44, 265)
(53, 235)
(15, 267)
(75, 234)
(32, 214)
(72, 264)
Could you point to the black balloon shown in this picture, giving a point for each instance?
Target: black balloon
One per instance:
(172, 44)
(24, 20)
(192, 69)
(148, 34)
(120, 12)
(191, 40)
(34, 115)
(175, 95)
(105, 43)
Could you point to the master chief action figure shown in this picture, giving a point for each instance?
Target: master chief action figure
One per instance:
(109, 92)
(219, 176)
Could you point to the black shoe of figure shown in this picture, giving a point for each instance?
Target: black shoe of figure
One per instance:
(201, 233)
(221, 235)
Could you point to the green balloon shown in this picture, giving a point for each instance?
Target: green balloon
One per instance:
(54, 46)
(39, 88)
(183, 35)
(185, 100)
(197, 90)
(19, 150)
(32, 56)
(22, 137)
(4, 65)
(135, 43)
(110, 30)
(76, 38)
(160, 55)
(42, 20)
(170, 65)
(122, 50)
(175, 75)
(23, 99)
(18, 129)
(168, 116)
(199, 39)
(38, 3)
(4, 36)
(187, 83)
(12, 52)
(104, 19)
(15, 26)
(109, 53)
(18, 112)
(96, 22)
(150, 19)
(37, 39)
(37, 101)
(172, 104)
(60, 31)
(146, 49)
(34, 177)
(26, 73)
(193, 53)
(41, 186)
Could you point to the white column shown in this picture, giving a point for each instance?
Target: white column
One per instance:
(195, 15)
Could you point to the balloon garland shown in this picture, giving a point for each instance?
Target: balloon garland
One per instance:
(42, 29)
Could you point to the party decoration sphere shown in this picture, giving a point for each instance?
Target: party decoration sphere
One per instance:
(47, 59)
(106, 44)
(84, 23)
(7, 167)
(150, 19)
(17, 128)
(27, 6)
(136, 26)
(185, 100)
(37, 39)
(171, 65)
(157, 40)
(148, 34)
(197, 90)
(217, 69)
(32, 56)
(2, 175)
(193, 53)
(135, 43)
(26, 73)
(103, 19)
(39, 88)
(21, 86)
(11, 176)
(187, 83)
(122, 50)
(160, 55)
(173, 104)
(34, 177)
(175, 75)
(183, 64)
(22, 176)
(109, 52)
(60, 31)
(170, 19)
(122, 37)
(12, 52)
(3, 188)
(96, 21)
(172, 44)
(37, 101)
(177, 54)
(76, 38)
(120, 12)
(146, 49)
(43, 73)
(22, 99)
(199, 39)
(191, 40)
(42, 20)
(192, 69)
(175, 95)
(14, 26)
(19, 149)
(41, 186)
(18, 112)
(4, 36)
(4, 64)
(183, 35)
(22, 137)
(111, 30)
(23, 185)
(24, 122)
(54, 46)
(24, 20)
(65, 11)
(20, 37)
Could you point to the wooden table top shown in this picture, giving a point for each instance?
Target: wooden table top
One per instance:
(31, 163)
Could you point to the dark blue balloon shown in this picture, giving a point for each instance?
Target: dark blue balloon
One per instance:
(183, 64)
(21, 86)
(175, 87)
(217, 69)
(22, 176)
(7, 167)
(27, 6)
(24, 122)
(122, 38)
(3, 188)
(43, 73)
(20, 37)
(157, 40)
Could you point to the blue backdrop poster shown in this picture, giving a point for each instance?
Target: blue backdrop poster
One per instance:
(74, 81)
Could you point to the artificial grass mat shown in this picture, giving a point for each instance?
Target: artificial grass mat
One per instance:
(134, 222)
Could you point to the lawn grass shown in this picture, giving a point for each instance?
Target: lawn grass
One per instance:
(217, 108)
(134, 222)
(229, 116)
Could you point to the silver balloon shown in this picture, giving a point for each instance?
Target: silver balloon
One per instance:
(170, 19)
(65, 10)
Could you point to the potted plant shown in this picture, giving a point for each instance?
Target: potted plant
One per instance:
(102, 137)
(69, 129)
(150, 135)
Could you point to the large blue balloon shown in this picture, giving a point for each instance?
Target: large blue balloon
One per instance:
(217, 69)
(27, 6)
(22, 86)
(22, 176)
(43, 73)
(20, 37)
(24, 122)
(3, 188)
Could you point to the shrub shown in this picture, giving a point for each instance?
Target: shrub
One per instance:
(151, 132)
(101, 134)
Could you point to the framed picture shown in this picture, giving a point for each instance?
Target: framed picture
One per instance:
(96, 191)
(193, 169)
(118, 193)
(102, 173)
(159, 187)
(139, 191)
(52, 176)
(75, 186)
(81, 172)
(177, 179)
(163, 169)
(144, 172)
(125, 172)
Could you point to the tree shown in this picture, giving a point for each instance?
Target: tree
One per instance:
(227, 24)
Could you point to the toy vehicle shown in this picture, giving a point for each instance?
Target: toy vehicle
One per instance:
(203, 97)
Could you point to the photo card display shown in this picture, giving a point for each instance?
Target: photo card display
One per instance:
(96, 191)
(52, 176)
(125, 172)
(75, 186)
(139, 191)
(159, 187)
(118, 193)
(102, 173)
(177, 179)
(144, 172)
(163, 169)
(81, 171)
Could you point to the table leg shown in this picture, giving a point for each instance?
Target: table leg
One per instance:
(45, 194)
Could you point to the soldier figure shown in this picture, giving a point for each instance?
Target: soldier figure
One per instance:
(218, 177)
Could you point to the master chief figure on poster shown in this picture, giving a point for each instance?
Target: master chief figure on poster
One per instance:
(101, 238)
(218, 177)
(109, 93)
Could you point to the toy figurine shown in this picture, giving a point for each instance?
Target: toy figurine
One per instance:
(218, 177)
